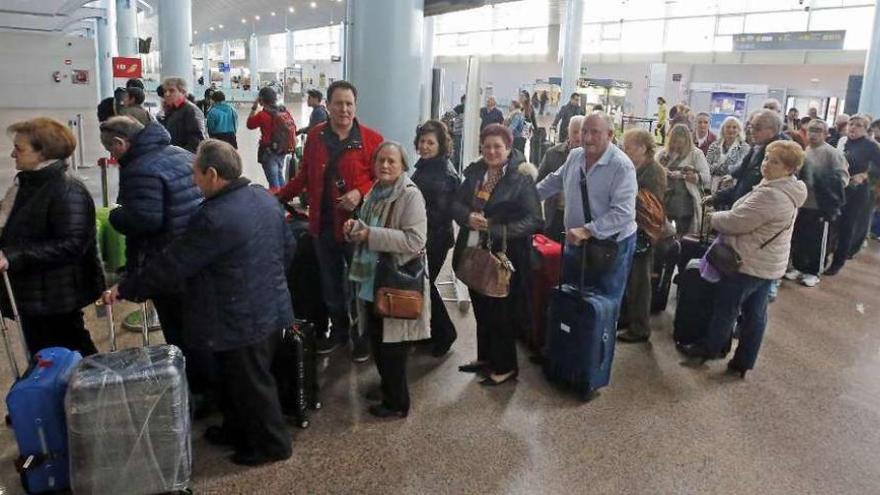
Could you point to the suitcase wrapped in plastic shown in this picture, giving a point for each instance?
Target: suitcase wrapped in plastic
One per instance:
(546, 262)
(128, 422)
(36, 411)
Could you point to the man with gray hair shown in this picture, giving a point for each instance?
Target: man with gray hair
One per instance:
(231, 265)
(766, 127)
(554, 206)
(183, 119)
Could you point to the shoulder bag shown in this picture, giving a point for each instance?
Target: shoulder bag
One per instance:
(399, 291)
(600, 254)
(486, 272)
(726, 260)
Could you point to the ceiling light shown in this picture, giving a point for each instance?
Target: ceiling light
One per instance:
(221, 26)
(272, 14)
(211, 28)
(256, 18)
(313, 5)
(195, 32)
(244, 21)
(291, 9)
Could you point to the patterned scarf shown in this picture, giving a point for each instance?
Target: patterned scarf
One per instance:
(484, 190)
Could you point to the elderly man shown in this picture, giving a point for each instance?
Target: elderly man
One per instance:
(825, 174)
(554, 207)
(231, 264)
(766, 127)
(183, 119)
(565, 114)
(336, 171)
(600, 187)
(839, 129)
(490, 114)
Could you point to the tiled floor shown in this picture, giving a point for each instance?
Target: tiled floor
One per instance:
(804, 421)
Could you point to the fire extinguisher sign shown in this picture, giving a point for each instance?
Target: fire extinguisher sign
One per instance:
(127, 67)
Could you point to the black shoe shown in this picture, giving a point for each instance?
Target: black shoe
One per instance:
(699, 352)
(380, 411)
(326, 346)
(472, 367)
(256, 459)
(832, 270)
(631, 338)
(732, 368)
(360, 351)
(217, 435)
(494, 380)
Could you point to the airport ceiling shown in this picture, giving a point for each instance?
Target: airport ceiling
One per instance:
(238, 18)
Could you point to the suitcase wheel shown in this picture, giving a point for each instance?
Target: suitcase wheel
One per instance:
(8, 420)
(303, 424)
(317, 405)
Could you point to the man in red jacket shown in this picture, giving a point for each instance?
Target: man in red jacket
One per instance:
(336, 171)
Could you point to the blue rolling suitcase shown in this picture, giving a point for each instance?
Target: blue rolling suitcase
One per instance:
(580, 339)
(36, 411)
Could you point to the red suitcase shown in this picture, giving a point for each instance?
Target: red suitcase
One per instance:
(546, 266)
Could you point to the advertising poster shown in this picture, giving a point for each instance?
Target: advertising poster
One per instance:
(724, 105)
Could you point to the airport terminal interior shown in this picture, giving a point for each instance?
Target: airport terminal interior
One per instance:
(803, 420)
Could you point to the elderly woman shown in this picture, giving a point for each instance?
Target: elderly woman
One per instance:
(497, 206)
(726, 154)
(393, 224)
(48, 239)
(639, 145)
(758, 229)
(688, 175)
(437, 180)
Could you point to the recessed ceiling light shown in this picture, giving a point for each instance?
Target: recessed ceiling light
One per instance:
(272, 14)
(195, 32)
(256, 18)
(221, 26)
(313, 5)
(243, 21)
(291, 9)
(211, 28)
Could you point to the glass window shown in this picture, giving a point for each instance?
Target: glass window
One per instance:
(641, 37)
(856, 21)
(611, 30)
(690, 35)
(730, 24)
(778, 22)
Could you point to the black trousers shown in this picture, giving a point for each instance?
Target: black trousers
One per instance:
(442, 329)
(806, 242)
(59, 330)
(201, 366)
(496, 332)
(390, 363)
(228, 137)
(857, 205)
(249, 402)
(862, 225)
(520, 144)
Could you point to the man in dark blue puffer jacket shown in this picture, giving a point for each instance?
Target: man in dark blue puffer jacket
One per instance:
(157, 197)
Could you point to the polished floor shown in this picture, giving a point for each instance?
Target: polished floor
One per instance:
(805, 421)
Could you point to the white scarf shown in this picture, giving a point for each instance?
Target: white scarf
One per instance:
(12, 192)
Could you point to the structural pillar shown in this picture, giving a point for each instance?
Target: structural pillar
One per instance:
(373, 51)
(105, 34)
(227, 61)
(206, 66)
(127, 28)
(427, 68)
(869, 102)
(175, 39)
(253, 60)
(571, 47)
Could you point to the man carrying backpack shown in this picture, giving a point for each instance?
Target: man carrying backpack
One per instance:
(277, 135)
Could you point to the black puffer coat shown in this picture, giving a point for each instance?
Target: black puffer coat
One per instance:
(50, 242)
(438, 182)
(231, 262)
(186, 124)
(156, 193)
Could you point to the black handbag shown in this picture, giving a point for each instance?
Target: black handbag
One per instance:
(399, 290)
(600, 254)
(726, 260)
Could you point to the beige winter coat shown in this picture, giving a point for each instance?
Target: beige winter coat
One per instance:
(405, 236)
(769, 208)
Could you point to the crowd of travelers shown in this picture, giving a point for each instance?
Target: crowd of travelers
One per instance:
(213, 251)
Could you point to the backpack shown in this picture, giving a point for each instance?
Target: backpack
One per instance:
(283, 137)
(650, 214)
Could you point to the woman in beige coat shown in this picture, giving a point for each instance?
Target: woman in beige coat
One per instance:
(759, 229)
(393, 220)
(687, 174)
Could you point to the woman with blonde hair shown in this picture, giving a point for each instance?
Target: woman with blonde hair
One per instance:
(688, 176)
(726, 154)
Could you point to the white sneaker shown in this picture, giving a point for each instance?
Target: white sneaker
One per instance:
(793, 274)
(810, 280)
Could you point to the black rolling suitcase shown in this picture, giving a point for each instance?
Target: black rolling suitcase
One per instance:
(296, 372)
(666, 255)
(304, 276)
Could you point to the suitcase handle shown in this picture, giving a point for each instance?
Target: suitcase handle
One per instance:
(145, 328)
(562, 266)
(4, 328)
(111, 325)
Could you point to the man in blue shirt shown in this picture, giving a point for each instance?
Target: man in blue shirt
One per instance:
(319, 111)
(611, 186)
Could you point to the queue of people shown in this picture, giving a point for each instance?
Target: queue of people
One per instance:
(212, 250)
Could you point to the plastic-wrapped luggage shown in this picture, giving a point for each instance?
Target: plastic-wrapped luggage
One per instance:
(128, 422)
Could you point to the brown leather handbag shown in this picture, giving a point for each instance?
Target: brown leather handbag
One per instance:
(399, 289)
(486, 272)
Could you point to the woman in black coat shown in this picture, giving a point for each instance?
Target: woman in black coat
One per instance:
(48, 240)
(437, 181)
(498, 196)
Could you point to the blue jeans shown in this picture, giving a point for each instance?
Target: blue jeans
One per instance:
(734, 295)
(611, 284)
(272, 164)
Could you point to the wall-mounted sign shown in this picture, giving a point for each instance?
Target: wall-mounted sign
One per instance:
(127, 67)
(800, 40)
(676, 78)
(79, 76)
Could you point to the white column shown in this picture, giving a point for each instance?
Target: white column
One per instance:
(106, 50)
(571, 43)
(227, 61)
(870, 96)
(175, 39)
(253, 61)
(427, 67)
(373, 51)
(206, 65)
(127, 27)
(470, 138)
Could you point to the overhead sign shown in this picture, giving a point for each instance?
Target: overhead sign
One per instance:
(127, 67)
(800, 40)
